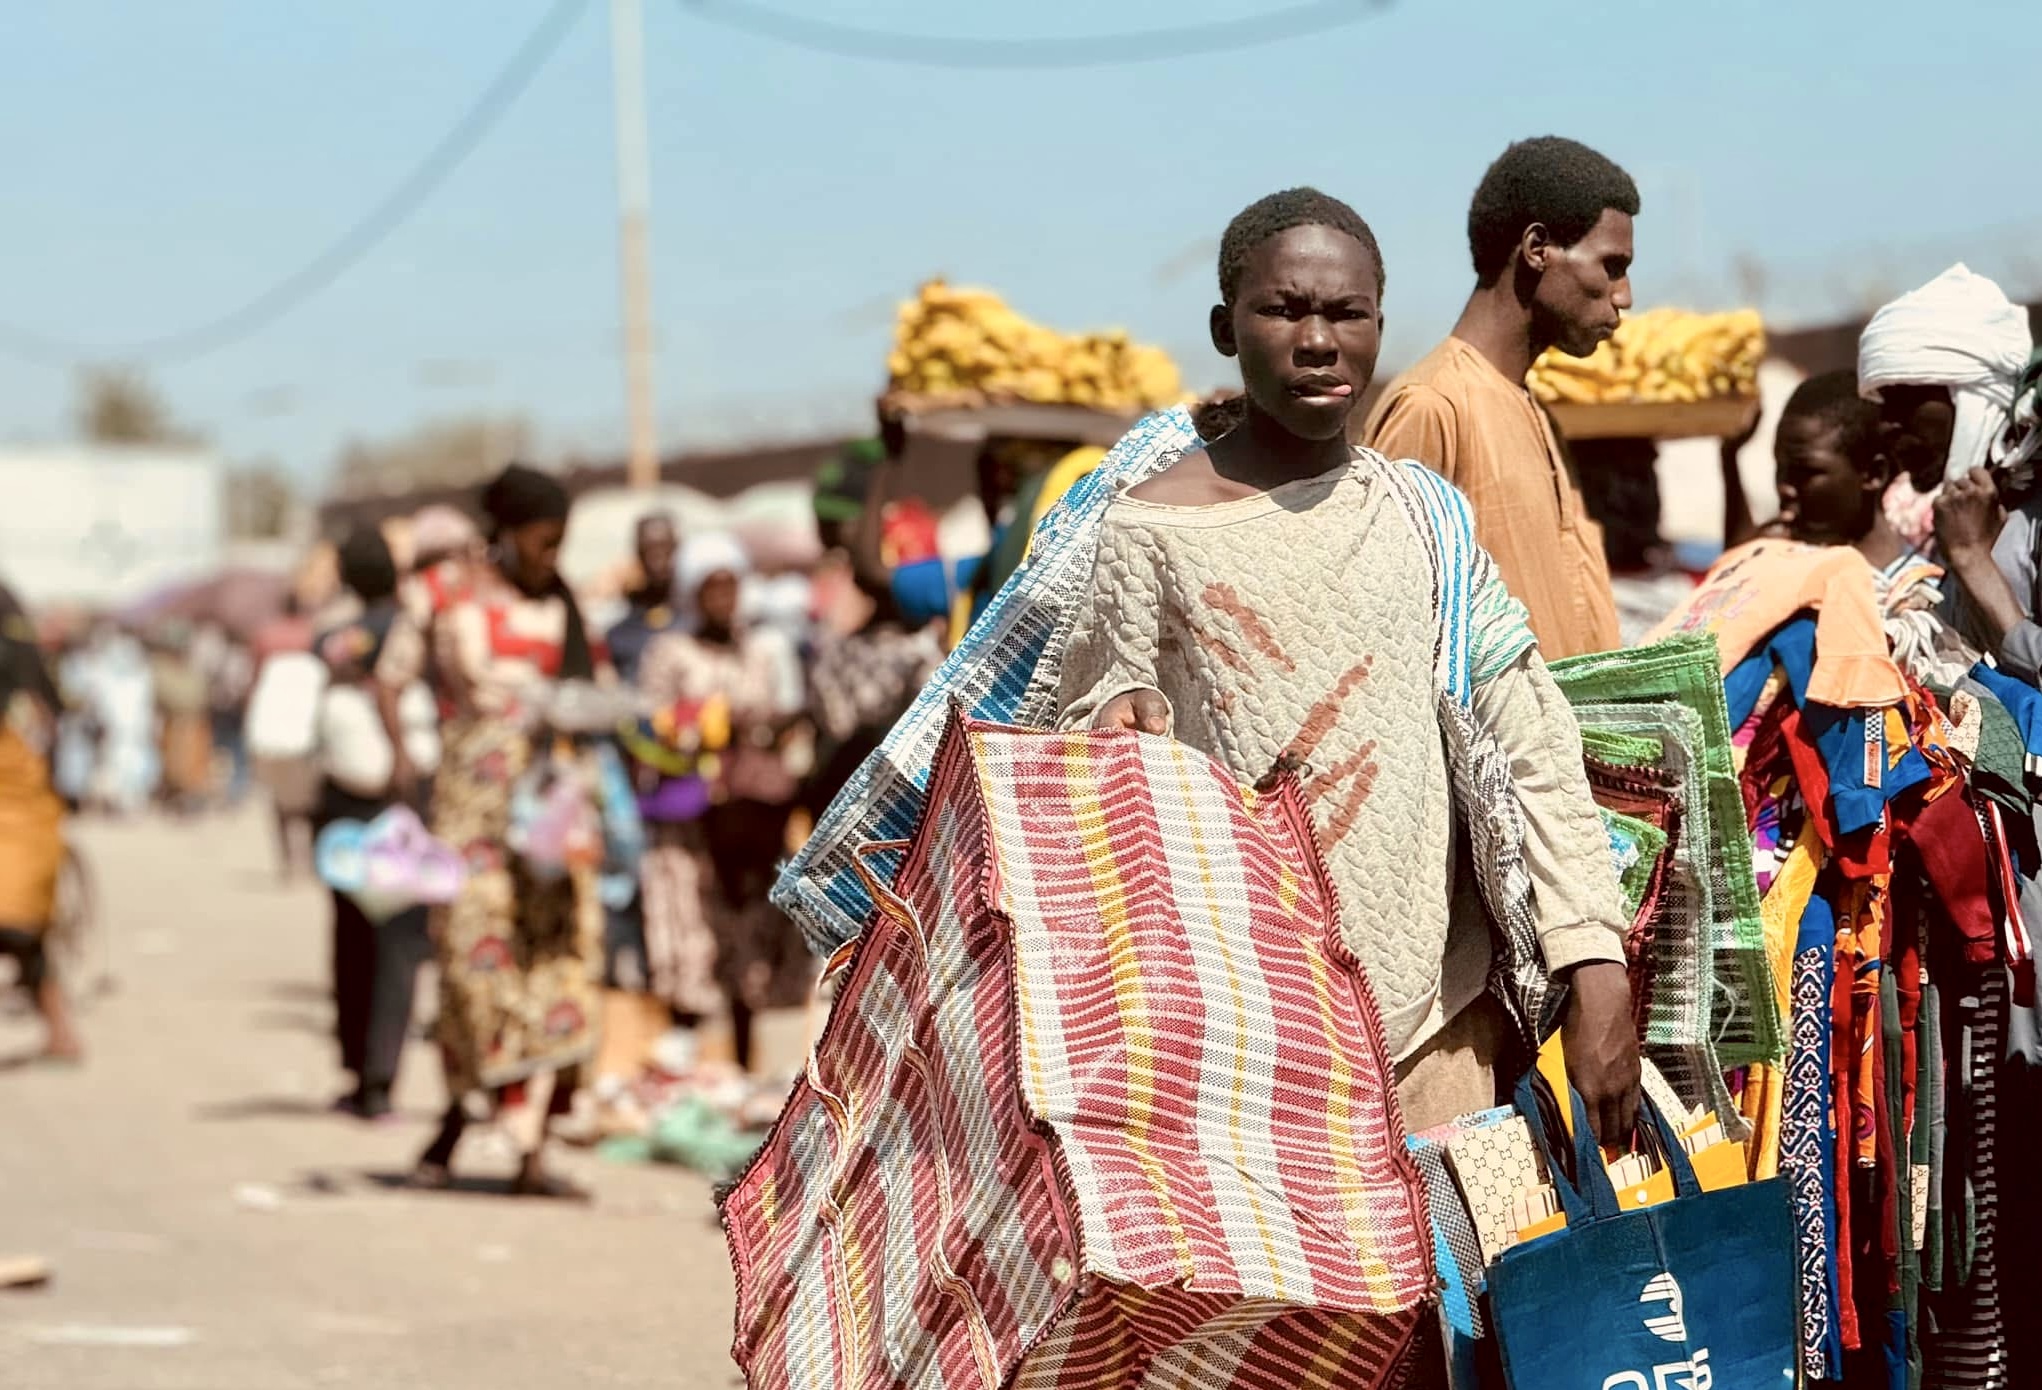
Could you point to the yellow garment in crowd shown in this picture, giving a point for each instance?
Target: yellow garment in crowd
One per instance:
(31, 835)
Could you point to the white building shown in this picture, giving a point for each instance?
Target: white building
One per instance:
(105, 525)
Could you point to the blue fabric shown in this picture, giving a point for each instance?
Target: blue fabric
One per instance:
(1851, 741)
(1847, 739)
(1698, 1290)
(1896, 1349)
(1808, 1140)
(2022, 701)
(623, 830)
(927, 589)
(634, 632)
(1792, 648)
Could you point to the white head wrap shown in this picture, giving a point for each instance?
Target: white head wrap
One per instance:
(702, 554)
(1960, 331)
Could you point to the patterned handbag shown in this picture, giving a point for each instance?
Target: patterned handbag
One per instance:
(1102, 1103)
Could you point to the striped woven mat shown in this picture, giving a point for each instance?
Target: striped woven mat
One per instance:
(1101, 1103)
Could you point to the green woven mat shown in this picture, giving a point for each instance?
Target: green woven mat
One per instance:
(1621, 749)
(1636, 845)
(1694, 915)
(1686, 669)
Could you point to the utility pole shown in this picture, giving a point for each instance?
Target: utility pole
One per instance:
(634, 199)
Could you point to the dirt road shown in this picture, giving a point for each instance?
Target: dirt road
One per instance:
(212, 1227)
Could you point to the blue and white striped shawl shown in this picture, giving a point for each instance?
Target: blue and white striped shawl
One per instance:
(1005, 670)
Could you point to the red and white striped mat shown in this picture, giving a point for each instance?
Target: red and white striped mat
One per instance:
(1102, 1103)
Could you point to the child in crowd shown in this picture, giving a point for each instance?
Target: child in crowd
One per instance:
(1832, 474)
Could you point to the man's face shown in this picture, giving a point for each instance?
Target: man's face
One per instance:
(657, 547)
(1915, 424)
(1824, 499)
(1583, 289)
(1306, 325)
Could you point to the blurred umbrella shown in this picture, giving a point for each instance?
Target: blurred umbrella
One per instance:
(241, 600)
(776, 524)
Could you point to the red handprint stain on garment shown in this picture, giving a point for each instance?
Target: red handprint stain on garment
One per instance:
(1336, 809)
(1359, 769)
(1336, 793)
(1324, 714)
(1223, 598)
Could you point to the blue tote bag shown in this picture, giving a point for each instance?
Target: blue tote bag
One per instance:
(1693, 1294)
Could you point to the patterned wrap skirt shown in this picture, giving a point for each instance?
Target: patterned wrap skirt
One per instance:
(520, 956)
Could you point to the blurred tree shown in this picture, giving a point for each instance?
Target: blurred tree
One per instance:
(118, 405)
(439, 453)
(260, 500)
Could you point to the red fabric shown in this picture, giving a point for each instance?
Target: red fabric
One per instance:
(909, 533)
(1766, 759)
(2017, 949)
(1946, 835)
(1904, 960)
(539, 651)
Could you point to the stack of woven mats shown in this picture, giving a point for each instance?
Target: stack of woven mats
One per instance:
(1656, 733)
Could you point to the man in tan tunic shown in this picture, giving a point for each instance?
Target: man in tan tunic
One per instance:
(1550, 229)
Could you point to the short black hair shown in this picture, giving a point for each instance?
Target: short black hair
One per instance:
(1558, 182)
(366, 565)
(1832, 400)
(1279, 213)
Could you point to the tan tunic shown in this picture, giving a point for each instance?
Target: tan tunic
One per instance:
(1286, 622)
(1456, 414)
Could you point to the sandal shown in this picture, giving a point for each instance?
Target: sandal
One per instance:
(550, 1187)
(432, 1177)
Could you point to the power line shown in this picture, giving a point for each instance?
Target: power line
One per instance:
(1100, 50)
(425, 178)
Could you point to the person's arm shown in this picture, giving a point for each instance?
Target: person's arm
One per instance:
(399, 665)
(1419, 423)
(1738, 525)
(1108, 677)
(1968, 523)
(1576, 902)
(865, 545)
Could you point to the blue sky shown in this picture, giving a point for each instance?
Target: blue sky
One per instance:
(164, 162)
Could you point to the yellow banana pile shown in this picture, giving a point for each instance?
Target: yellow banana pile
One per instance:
(1661, 356)
(966, 347)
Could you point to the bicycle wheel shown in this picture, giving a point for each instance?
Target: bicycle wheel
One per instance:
(75, 941)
